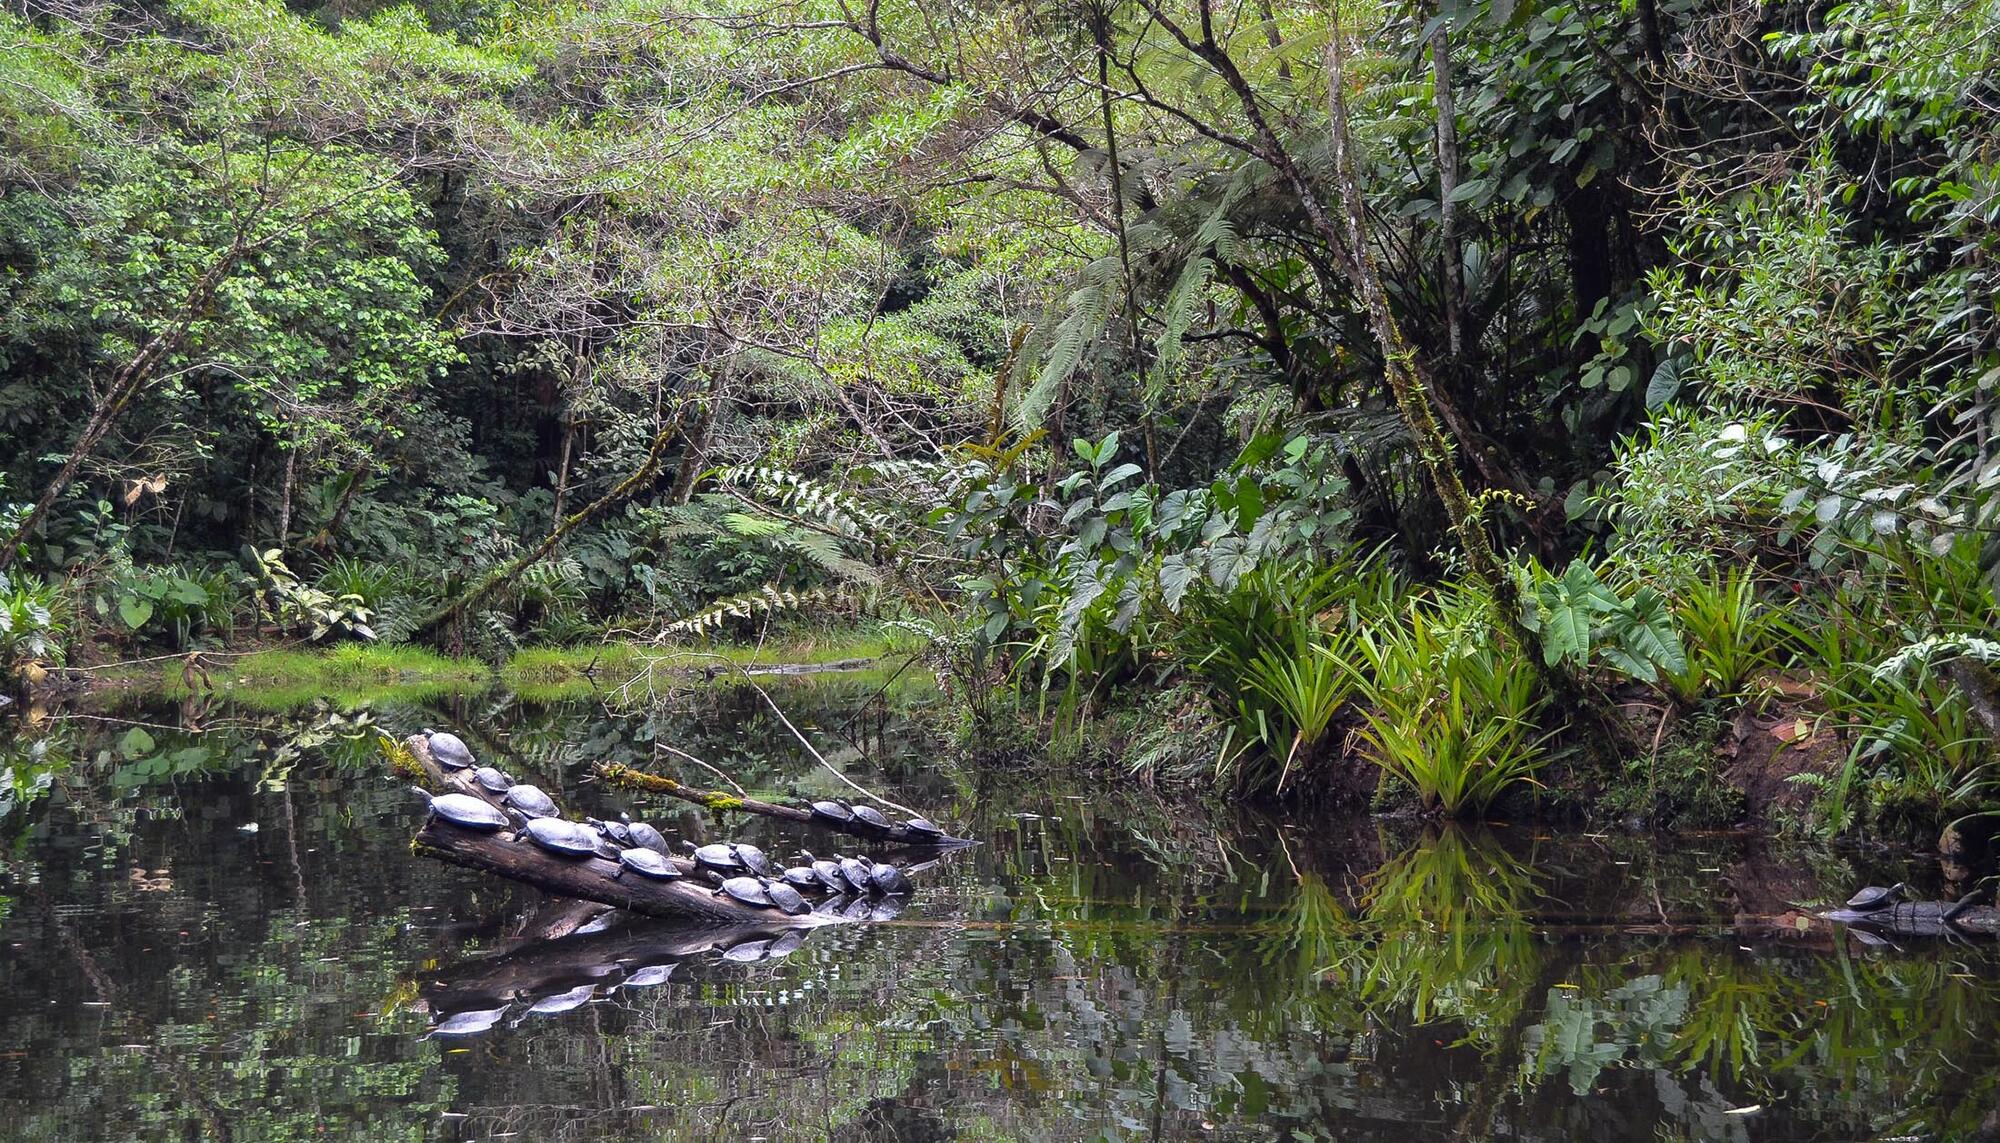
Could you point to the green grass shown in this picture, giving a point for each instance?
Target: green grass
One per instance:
(550, 674)
(348, 676)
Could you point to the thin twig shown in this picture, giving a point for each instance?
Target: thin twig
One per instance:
(711, 769)
(803, 741)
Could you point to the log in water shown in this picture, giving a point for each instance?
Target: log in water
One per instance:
(587, 879)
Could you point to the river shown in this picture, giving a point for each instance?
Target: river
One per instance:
(222, 935)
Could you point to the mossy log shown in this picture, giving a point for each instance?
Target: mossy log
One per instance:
(626, 777)
(585, 879)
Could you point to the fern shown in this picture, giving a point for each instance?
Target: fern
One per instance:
(765, 600)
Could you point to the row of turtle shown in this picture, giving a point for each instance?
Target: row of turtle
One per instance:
(871, 822)
(746, 874)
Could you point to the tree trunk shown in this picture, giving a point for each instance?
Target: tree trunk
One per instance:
(126, 384)
(1450, 271)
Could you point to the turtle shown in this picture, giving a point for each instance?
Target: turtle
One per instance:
(562, 837)
(888, 880)
(785, 897)
(748, 890)
(802, 877)
(645, 836)
(492, 779)
(715, 857)
(646, 863)
(753, 859)
(828, 872)
(871, 820)
(855, 870)
(830, 812)
(530, 800)
(464, 810)
(448, 750)
(788, 943)
(619, 834)
(923, 829)
(1875, 898)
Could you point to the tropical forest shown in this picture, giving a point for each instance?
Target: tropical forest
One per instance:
(1341, 570)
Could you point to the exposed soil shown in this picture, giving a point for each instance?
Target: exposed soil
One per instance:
(1765, 750)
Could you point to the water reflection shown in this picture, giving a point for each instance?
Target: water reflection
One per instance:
(1099, 968)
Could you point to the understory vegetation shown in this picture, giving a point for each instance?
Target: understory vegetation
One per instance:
(1464, 407)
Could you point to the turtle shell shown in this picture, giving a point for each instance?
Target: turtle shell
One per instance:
(855, 871)
(648, 863)
(565, 838)
(448, 750)
(646, 837)
(717, 856)
(802, 877)
(871, 818)
(786, 898)
(888, 880)
(748, 890)
(754, 860)
(922, 829)
(465, 811)
(1876, 897)
(616, 831)
(832, 813)
(492, 778)
(531, 800)
(830, 876)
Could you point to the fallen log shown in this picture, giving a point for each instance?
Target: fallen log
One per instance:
(628, 778)
(585, 879)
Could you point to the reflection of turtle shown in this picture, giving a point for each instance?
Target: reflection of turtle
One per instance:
(1875, 898)
(463, 810)
(562, 1001)
(448, 750)
(648, 976)
(468, 1023)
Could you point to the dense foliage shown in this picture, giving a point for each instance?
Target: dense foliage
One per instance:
(1440, 385)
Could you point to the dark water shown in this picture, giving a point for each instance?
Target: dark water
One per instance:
(1098, 969)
